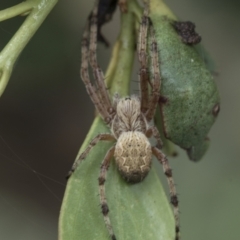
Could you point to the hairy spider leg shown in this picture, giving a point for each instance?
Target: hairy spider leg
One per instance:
(91, 89)
(98, 73)
(156, 82)
(101, 181)
(142, 57)
(154, 131)
(123, 5)
(173, 194)
(94, 141)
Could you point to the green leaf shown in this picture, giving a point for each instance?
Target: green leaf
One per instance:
(191, 98)
(37, 11)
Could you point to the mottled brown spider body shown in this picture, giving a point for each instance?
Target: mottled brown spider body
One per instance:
(133, 152)
(129, 118)
(133, 155)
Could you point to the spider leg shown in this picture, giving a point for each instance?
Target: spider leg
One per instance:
(156, 83)
(98, 98)
(154, 131)
(123, 5)
(91, 89)
(99, 137)
(142, 57)
(174, 199)
(101, 181)
(98, 73)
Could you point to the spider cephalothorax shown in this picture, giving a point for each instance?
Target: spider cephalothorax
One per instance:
(129, 118)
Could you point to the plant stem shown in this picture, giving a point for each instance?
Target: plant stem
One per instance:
(37, 12)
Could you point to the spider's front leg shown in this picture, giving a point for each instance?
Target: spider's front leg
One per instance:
(98, 73)
(148, 106)
(156, 75)
(91, 89)
(142, 57)
(98, 91)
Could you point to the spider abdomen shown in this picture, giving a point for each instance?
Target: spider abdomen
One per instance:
(133, 156)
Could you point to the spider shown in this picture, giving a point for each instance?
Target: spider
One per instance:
(129, 118)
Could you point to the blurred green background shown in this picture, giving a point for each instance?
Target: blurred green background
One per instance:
(45, 114)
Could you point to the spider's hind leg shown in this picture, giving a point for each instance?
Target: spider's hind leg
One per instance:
(101, 181)
(173, 194)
